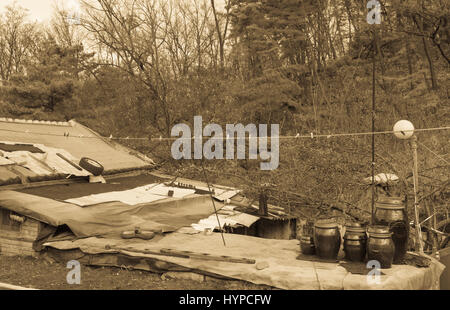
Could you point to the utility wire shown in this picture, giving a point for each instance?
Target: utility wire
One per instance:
(431, 151)
(287, 137)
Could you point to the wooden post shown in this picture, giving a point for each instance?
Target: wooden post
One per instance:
(263, 204)
(419, 245)
(263, 210)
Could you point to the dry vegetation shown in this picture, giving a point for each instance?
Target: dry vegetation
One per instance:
(136, 68)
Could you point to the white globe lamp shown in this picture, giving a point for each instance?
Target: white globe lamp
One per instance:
(403, 129)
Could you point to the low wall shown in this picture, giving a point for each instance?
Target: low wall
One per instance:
(276, 229)
(17, 238)
(445, 276)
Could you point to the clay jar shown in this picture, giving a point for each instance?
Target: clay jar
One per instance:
(307, 245)
(391, 211)
(380, 246)
(327, 239)
(355, 242)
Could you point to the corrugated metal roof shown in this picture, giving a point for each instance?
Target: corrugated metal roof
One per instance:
(274, 212)
(25, 121)
(72, 137)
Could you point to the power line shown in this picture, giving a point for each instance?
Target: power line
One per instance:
(431, 151)
(287, 137)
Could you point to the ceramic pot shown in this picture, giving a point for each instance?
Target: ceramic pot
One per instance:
(307, 245)
(327, 239)
(391, 211)
(380, 246)
(355, 242)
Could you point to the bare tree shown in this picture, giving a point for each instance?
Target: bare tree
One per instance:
(158, 43)
(16, 40)
(221, 34)
(64, 27)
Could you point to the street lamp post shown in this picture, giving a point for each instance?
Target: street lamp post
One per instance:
(405, 130)
(419, 244)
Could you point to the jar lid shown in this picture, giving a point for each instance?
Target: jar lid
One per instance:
(378, 229)
(354, 226)
(390, 200)
(380, 235)
(355, 237)
(355, 230)
(389, 206)
(325, 225)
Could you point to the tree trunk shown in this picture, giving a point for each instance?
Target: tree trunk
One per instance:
(220, 36)
(419, 23)
(430, 64)
(410, 65)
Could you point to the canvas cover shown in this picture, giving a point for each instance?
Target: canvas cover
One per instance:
(285, 271)
(142, 194)
(111, 218)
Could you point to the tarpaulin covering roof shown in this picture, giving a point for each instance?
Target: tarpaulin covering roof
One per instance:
(286, 270)
(227, 216)
(111, 218)
(73, 138)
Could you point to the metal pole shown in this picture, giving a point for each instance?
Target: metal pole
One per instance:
(419, 245)
(214, 205)
(373, 122)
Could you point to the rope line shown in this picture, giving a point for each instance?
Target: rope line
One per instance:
(431, 151)
(288, 137)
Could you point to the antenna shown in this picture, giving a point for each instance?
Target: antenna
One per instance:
(373, 120)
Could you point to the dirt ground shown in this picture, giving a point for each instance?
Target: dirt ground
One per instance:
(34, 273)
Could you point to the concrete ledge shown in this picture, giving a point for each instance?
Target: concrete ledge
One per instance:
(15, 287)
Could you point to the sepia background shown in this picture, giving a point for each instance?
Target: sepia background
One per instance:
(135, 68)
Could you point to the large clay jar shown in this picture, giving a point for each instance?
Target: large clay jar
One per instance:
(355, 242)
(380, 246)
(391, 211)
(327, 239)
(307, 245)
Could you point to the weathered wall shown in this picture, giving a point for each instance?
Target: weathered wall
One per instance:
(272, 229)
(445, 276)
(17, 238)
(269, 229)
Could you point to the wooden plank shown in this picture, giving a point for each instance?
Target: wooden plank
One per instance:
(69, 161)
(245, 205)
(17, 235)
(43, 163)
(45, 183)
(73, 180)
(189, 254)
(207, 256)
(146, 251)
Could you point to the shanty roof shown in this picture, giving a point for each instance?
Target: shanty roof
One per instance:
(30, 151)
(246, 206)
(91, 209)
(29, 147)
